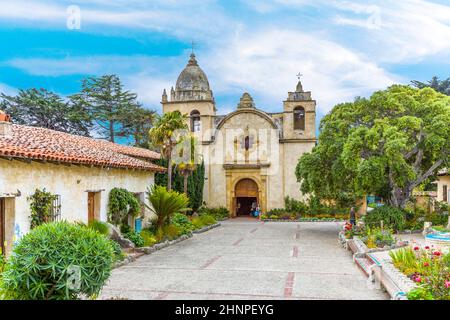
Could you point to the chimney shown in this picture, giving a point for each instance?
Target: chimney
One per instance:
(5, 125)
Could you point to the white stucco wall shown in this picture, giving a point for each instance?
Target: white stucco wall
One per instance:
(70, 182)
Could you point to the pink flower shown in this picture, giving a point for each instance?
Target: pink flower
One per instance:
(447, 284)
(418, 279)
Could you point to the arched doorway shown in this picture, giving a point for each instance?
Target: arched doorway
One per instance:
(246, 194)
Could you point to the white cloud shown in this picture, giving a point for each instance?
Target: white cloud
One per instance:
(239, 55)
(180, 19)
(406, 31)
(6, 89)
(265, 63)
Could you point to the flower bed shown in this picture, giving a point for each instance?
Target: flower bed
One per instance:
(286, 216)
(373, 239)
(428, 267)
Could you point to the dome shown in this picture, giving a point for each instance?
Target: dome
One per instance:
(192, 77)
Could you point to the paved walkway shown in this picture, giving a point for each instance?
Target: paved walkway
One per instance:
(247, 259)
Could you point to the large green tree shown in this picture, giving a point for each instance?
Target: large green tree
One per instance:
(387, 145)
(137, 124)
(46, 109)
(166, 134)
(108, 104)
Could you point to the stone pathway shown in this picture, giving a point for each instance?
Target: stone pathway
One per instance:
(247, 259)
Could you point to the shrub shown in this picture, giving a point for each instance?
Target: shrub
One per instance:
(41, 207)
(419, 294)
(182, 222)
(264, 216)
(149, 238)
(197, 223)
(393, 218)
(166, 203)
(99, 226)
(295, 206)
(219, 213)
(2, 262)
(119, 255)
(208, 220)
(276, 211)
(134, 237)
(122, 203)
(58, 261)
(171, 231)
(273, 216)
(376, 237)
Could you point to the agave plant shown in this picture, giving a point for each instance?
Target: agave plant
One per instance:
(166, 203)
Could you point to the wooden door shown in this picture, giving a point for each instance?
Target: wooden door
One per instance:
(91, 207)
(2, 225)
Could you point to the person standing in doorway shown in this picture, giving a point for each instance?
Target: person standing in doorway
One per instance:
(257, 211)
(254, 205)
(352, 216)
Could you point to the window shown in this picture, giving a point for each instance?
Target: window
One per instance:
(195, 121)
(299, 118)
(55, 213)
(444, 193)
(247, 143)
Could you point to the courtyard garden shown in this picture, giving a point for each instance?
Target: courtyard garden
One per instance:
(62, 260)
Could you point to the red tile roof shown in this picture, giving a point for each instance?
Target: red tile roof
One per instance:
(44, 144)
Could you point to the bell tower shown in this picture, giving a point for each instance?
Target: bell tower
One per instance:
(299, 115)
(193, 96)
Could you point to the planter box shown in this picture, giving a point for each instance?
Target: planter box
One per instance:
(396, 283)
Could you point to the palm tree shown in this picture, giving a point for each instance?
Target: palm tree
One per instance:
(164, 135)
(165, 203)
(189, 161)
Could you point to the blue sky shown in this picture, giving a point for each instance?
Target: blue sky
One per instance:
(343, 48)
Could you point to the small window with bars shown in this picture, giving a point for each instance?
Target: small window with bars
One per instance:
(55, 211)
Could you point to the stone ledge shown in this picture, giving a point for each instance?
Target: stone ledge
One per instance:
(204, 229)
(303, 220)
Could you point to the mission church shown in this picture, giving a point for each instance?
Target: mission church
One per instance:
(250, 155)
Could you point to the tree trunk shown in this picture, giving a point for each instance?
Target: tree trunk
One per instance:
(111, 131)
(169, 172)
(185, 183)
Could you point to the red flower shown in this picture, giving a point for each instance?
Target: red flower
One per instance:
(427, 247)
(437, 253)
(416, 248)
(426, 264)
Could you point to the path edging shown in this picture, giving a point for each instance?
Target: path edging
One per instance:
(161, 245)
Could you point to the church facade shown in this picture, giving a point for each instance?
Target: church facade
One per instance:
(250, 155)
